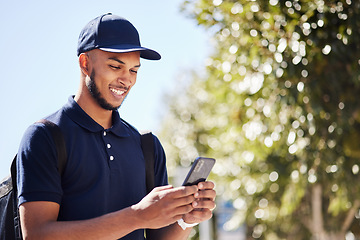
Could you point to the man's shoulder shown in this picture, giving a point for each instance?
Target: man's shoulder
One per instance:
(129, 126)
(140, 132)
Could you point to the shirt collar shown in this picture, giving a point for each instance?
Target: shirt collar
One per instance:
(78, 115)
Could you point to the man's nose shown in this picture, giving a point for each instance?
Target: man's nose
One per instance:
(125, 78)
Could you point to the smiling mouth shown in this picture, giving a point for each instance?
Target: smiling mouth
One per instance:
(118, 92)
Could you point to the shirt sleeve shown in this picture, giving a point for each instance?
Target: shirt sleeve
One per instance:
(38, 176)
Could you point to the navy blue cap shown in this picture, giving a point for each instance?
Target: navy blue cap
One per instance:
(112, 33)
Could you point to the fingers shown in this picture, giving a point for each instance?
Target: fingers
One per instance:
(206, 191)
(161, 188)
(206, 185)
(185, 198)
(205, 198)
(177, 192)
(182, 199)
(205, 194)
(166, 204)
(185, 191)
(178, 199)
(183, 209)
(197, 215)
(182, 205)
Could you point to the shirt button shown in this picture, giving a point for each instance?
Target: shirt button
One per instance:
(108, 145)
(111, 158)
(104, 134)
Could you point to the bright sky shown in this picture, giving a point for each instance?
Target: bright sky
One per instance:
(39, 69)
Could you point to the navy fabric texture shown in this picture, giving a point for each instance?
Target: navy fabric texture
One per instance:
(105, 169)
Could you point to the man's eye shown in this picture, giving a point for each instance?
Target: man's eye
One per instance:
(133, 71)
(114, 67)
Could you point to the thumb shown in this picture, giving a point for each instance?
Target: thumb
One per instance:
(162, 188)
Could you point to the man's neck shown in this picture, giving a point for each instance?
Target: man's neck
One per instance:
(102, 116)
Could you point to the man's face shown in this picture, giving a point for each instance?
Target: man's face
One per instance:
(112, 76)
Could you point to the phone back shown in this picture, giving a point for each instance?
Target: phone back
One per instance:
(199, 171)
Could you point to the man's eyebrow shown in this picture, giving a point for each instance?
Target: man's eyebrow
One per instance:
(121, 62)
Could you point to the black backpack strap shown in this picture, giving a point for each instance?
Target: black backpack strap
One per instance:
(16, 216)
(147, 145)
(59, 143)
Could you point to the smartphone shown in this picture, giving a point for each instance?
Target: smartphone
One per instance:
(199, 171)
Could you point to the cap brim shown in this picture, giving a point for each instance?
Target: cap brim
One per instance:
(145, 53)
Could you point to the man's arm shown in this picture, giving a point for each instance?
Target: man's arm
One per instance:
(203, 206)
(39, 221)
(160, 208)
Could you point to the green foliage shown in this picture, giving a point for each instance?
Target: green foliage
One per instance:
(279, 109)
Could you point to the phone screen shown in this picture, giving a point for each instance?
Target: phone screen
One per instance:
(199, 171)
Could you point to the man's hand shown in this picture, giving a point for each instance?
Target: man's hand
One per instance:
(164, 205)
(203, 205)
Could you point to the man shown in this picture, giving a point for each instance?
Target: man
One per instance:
(102, 192)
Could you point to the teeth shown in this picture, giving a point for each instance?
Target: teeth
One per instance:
(118, 92)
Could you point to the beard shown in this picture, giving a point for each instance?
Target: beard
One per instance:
(95, 93)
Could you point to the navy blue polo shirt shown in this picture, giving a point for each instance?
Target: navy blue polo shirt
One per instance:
(105, 169)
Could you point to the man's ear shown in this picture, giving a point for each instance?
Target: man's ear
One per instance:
(84, 63)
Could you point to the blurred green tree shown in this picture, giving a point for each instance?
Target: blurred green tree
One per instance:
(278, 106)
